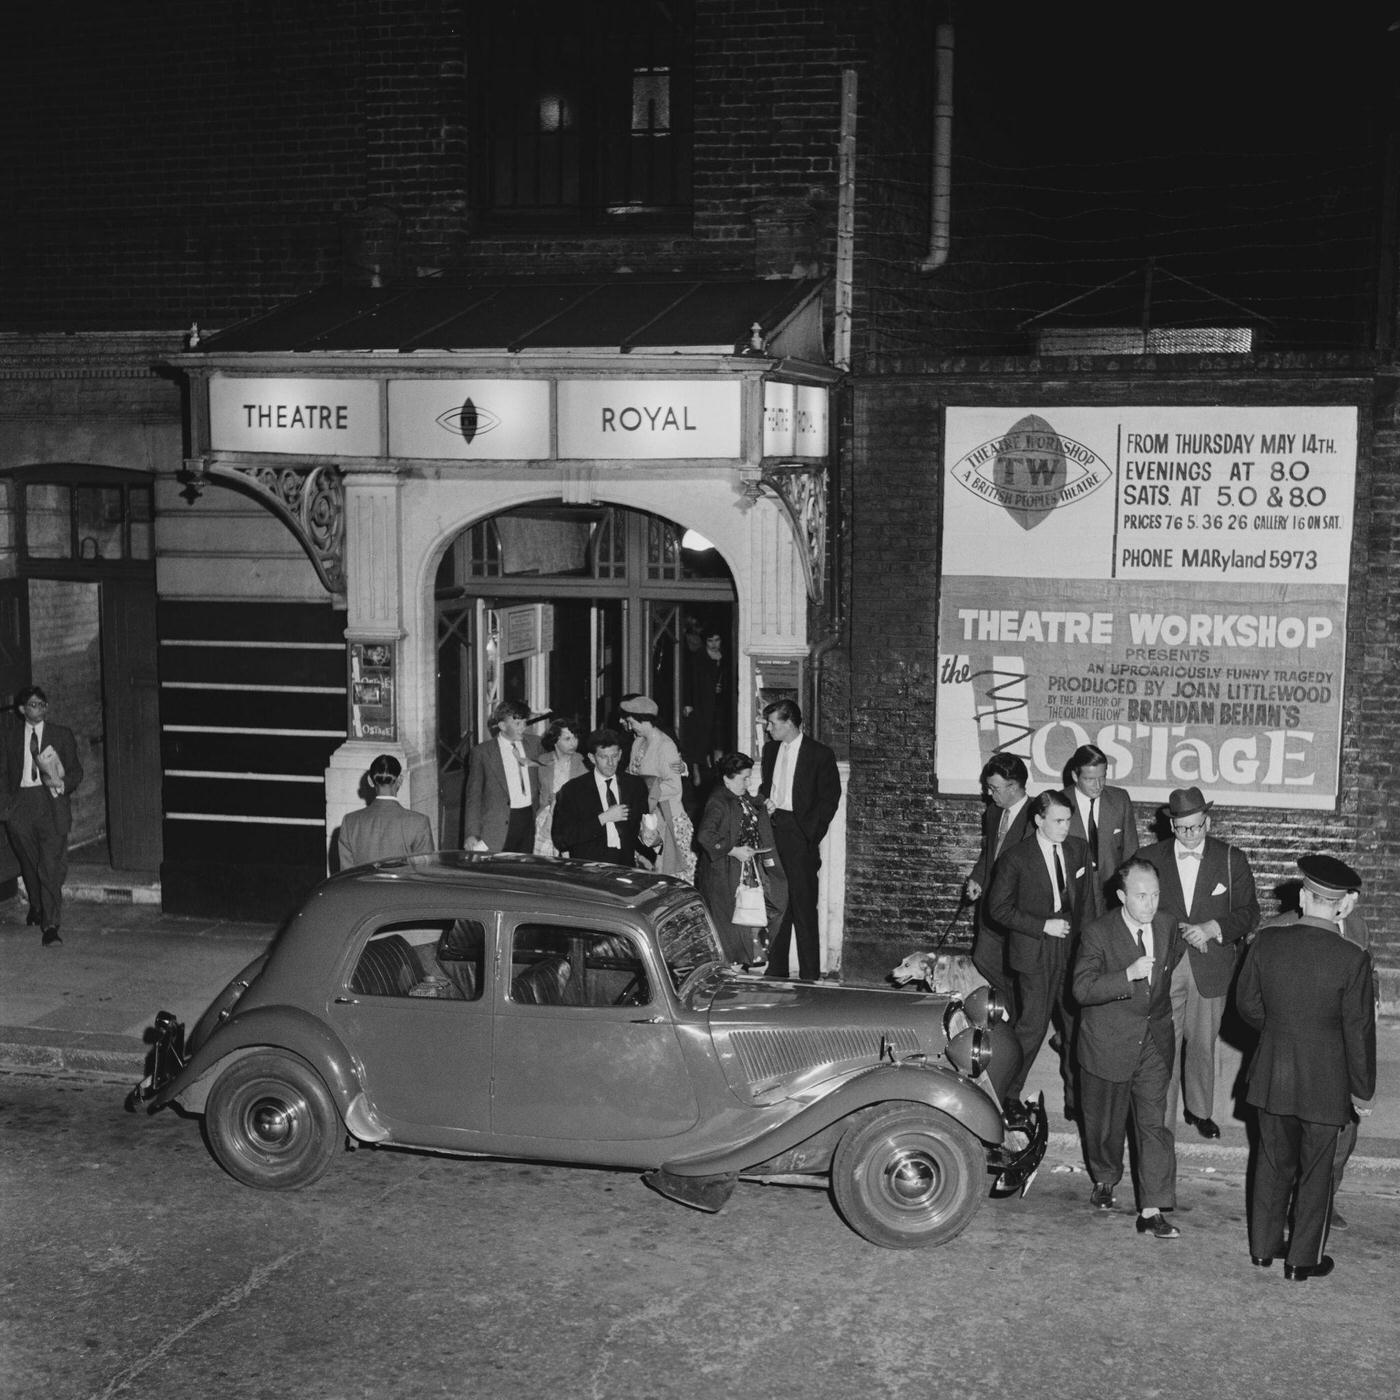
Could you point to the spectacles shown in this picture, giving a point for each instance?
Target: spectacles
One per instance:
(1182, 829)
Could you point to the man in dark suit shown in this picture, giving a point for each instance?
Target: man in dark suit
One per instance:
(1005, 821)
(1311, 995)
(1103, 817)
(802, 790)
(503, 786)
(1208, 888)
(39, 770)
(1125, 1042)
(598, 816)
(1038, 894)
(384, 829)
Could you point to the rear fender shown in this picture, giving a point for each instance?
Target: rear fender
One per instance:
(266, 1028)
(960, 1099)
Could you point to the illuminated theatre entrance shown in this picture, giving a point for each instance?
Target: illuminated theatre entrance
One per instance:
(567, 609)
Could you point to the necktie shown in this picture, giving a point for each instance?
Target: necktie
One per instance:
(1183, 854)
(33, 756)
(1002, 828)
(614, 840)
(612, 794)
(1093, 832)
(1059, 877)
(1142, 953)
(524, 769)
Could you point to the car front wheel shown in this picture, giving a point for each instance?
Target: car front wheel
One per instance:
(906, 1176)
(270, 1122)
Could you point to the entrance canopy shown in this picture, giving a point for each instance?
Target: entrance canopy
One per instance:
(779, 318)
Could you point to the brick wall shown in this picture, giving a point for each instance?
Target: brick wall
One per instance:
(911, 848)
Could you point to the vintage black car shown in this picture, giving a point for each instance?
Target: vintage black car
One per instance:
(517, 1007)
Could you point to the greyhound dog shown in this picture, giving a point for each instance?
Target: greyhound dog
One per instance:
(947, 974)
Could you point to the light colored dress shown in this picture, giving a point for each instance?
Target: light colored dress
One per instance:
(553, 776)
(654, 758)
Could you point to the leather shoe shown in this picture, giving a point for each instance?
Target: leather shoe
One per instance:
(1101, 1196)
(1158, 1226)
(1207, 1127)
(1301, 1273)
(1337, 1222)
(1266, 1262)
(33, 917)
(51, 937)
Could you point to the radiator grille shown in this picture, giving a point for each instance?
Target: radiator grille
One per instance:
(780, 1054)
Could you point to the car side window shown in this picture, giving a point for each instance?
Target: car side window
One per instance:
(441, 959)
(557, 965)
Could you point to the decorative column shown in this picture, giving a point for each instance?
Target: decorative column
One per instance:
(374, 637)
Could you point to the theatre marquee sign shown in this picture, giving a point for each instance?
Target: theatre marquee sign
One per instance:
(1167, 583)
(508, 419)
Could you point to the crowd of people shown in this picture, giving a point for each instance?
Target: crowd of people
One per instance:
(1129, 955)
(618, 794)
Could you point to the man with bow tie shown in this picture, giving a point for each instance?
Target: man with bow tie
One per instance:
(1122, 986)
(39, 769)
(503, 786)
(1208, 888)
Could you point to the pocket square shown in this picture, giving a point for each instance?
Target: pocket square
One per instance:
(1078, 874)
(1219, 889)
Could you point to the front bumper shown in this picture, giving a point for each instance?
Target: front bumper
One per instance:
(166, 1059)
(1016, 1167)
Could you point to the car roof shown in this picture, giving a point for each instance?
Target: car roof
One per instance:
(510, 877)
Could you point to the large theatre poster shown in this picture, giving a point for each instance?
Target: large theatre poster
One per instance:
(1167, 583)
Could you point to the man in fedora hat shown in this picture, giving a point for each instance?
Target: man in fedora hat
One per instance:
(1311, 995)
(1208, 888)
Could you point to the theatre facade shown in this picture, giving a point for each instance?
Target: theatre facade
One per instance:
(527, 489)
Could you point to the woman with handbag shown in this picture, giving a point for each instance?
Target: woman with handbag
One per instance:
(736, 847)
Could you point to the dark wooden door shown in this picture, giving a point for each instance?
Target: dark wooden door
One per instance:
(14, 674)
(131, 717)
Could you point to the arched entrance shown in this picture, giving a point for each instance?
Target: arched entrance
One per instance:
(569, 607)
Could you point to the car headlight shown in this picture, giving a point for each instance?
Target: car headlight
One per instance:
(970, 1051)
(982, 1008)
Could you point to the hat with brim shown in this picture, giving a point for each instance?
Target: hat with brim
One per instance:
(1186, 802)
(1327, 877)
(640, 705)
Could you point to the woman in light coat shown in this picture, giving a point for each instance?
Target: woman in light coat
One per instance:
(560, 762)
(656, 759)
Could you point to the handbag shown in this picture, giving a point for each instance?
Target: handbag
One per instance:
(750, 907)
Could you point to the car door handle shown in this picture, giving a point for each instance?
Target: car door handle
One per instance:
(646, 1021)
(347, 1001)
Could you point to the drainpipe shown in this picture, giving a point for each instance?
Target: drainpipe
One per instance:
(845, 223)
(939, 236)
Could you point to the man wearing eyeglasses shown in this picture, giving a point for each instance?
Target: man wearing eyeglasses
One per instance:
(1208, 888)
(39, 768)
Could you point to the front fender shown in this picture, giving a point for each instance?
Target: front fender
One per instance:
(959, 1098)
(266, 1027)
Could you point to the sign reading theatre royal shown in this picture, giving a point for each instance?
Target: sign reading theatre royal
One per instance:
(499, 419)
(1167, 583)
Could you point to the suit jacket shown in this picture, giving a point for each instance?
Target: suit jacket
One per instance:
(816, 785)
(14, 757)
(717, 872)
(577, 831)
(1021, 827)
(487, 815)
(1224, 892)
(1118, 839)
(1022, 897)
(1116, 1015)
(1311, 995)
(381, 831)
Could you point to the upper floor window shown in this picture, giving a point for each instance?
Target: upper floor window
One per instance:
(583, 115)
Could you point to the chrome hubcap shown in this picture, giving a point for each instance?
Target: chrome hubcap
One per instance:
(911, 1178)
(271, 1123)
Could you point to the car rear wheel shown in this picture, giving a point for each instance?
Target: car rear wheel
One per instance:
(270, 1122)
(906, 1176)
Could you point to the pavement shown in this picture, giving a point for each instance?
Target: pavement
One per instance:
(83, 1007)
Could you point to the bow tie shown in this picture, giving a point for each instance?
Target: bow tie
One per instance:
(1183, 854)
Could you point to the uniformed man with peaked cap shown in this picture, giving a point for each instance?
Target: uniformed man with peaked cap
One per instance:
(1311, 995)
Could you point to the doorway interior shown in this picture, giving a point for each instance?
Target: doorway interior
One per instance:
(569, 608)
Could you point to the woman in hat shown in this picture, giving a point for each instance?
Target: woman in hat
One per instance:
(657, 760)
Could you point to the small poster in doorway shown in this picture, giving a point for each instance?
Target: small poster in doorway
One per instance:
(372, 691)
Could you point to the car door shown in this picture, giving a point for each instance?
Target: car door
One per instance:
(414, 1008)
(585, 1043)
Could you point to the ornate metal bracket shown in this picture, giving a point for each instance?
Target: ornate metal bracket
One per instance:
(310, 501)
(801, 491)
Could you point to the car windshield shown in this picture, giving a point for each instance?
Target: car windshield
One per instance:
(688, 942)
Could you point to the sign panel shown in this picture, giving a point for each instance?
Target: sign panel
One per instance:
(372, 709)
(1167, 583)
(306, 416)
(469, 419)
(794, 420)
(649, 418)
